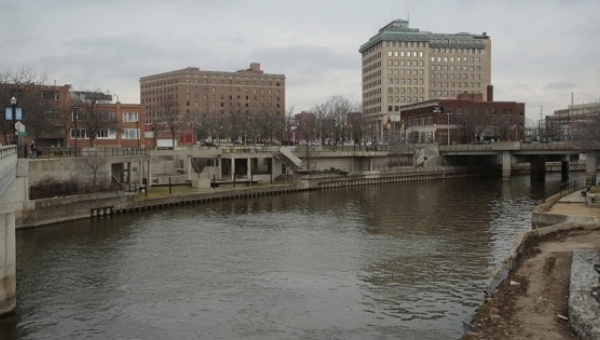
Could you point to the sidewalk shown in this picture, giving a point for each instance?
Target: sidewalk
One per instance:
(575, 197)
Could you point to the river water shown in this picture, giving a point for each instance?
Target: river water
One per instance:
(399, 261)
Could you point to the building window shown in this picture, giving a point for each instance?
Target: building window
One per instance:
(130, 134)
(79, 134)
(106, 134)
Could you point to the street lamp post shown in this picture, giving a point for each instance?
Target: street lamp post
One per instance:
(436, 119)
(137, 124)
(13, 103)
(448, 114)
(76, 132)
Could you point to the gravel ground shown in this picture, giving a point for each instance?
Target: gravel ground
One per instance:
(533, 302)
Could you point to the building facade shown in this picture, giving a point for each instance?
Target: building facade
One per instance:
(220, 104)
(403, 65)
(118, 125)
(563, 124)
(42, 108)
(467, 119)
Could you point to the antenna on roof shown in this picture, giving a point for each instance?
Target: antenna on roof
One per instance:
(408, 17)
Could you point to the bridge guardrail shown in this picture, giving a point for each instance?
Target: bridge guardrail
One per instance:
(66, 152)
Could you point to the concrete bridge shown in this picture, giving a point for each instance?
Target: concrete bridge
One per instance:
(8, 175)
(509, 153)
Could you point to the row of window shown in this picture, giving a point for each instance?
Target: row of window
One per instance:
(413, 63)
(374, 83)
(173, 81)
(130, 117)
(409, 72)
(406, 99)
(246, 90)
(416, 44)
(457, 50)
(457, 59)
(372, 58)
(230, 82)
(206, 89)
(455, 76)
(409, 90)
(405, 54)
(106, 134)
(457, 68)
(404, 81)
(453, 84)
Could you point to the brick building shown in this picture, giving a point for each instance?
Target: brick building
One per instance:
(127, 130)
(214, 104)
(467, 119)
(42, 108)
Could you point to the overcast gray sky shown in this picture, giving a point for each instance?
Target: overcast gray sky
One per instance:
(542, 50)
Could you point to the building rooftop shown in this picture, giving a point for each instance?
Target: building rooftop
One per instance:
(399, 30)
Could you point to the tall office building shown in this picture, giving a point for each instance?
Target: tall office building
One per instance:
(403, 65)
(193, 92)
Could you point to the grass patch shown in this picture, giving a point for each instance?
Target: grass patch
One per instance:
(160, 192)
(595, 189)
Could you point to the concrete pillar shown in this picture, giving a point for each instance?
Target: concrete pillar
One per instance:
(564, 170)
(506, 165)
(8, 274)
(538, 169)
(149, 176)
(590, 168)
(232, 168)
(140, 172)
(189, 169)
(129, 172)
(248, 167)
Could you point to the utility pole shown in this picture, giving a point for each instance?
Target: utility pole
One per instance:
(540, 124)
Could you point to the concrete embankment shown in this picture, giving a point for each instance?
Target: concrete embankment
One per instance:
(60, 209)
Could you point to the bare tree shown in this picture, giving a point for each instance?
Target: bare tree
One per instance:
(288, 125)
(17, 83)
(333, 116)
(94, 163)
(585, 131)
(356, 127)
(41, 112)
(93, 118)
(169, 117)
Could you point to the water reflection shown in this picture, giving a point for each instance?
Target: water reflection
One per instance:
(407, 260)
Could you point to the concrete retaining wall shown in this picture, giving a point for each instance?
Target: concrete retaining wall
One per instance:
(67, 208)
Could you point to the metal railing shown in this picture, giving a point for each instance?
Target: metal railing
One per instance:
(572, 186)
(67, 152)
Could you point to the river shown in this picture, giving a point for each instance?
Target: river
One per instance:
(397, 261)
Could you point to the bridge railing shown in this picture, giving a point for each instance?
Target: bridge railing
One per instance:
(65, 152)
(572, 186)
(547, 146)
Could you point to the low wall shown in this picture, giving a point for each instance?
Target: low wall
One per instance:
(67, 208)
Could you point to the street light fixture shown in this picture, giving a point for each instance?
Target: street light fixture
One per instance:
(436, 110)
(13, 103)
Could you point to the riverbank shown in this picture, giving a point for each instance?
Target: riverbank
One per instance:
(61, 209)
(533, 302)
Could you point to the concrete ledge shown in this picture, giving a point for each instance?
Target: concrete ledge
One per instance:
(584, 309)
